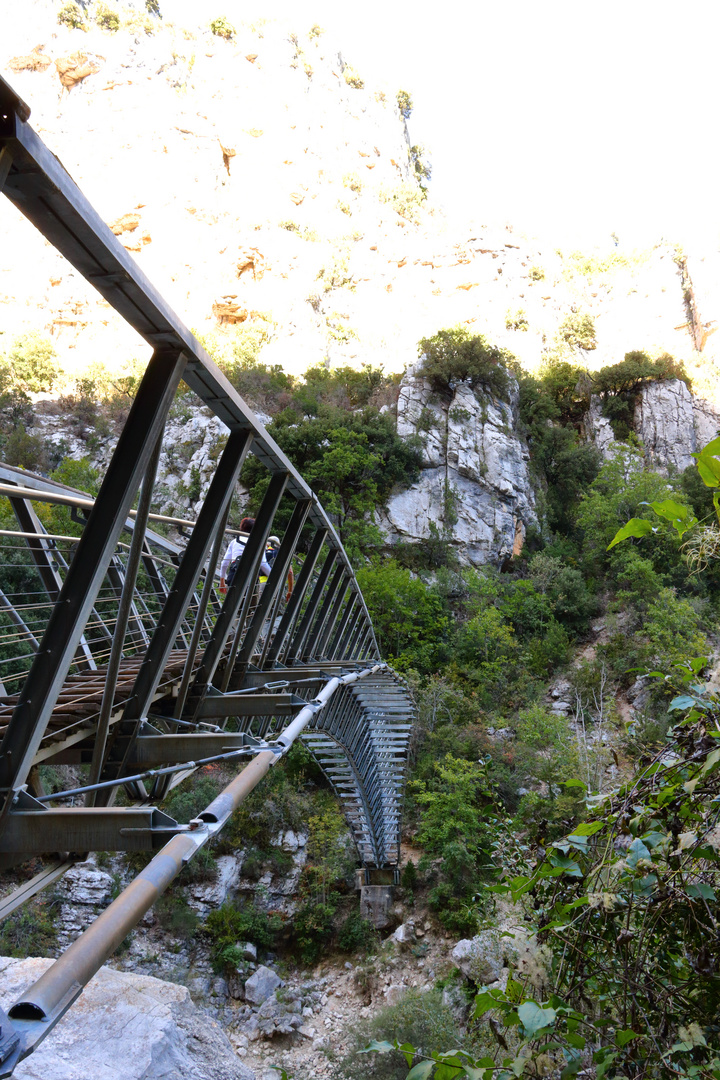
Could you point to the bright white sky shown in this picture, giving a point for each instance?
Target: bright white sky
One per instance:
(568, 118)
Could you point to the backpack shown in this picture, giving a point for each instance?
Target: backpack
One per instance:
(232, 568)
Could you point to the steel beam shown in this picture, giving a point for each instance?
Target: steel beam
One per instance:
(80, 828)
(217, 705)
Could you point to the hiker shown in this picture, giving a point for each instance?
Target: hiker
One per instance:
(234, 553)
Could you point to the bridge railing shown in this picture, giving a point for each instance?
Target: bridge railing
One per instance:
(120, 656)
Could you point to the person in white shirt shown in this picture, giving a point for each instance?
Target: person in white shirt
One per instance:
(235, 550)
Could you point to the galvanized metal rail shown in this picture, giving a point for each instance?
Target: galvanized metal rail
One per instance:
(120, 655)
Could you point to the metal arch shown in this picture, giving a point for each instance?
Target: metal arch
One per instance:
(130, 661)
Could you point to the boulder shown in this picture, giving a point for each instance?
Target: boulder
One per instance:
(124, 1027)
(261, 985)
(480, 958)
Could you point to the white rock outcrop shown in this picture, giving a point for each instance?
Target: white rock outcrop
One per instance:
(475, 486)
(124, 1027)
(664, 423)
(669, 421)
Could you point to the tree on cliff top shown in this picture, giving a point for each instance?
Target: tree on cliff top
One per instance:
(454, 356)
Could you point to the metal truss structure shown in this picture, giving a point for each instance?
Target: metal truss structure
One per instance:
(119, 654)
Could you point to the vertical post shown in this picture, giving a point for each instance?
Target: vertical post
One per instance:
(202, 608)
(313, 636)
(301, 586)
(240, 592)
(276, 581)
(298, 641)
(342, 626)
(331, 621)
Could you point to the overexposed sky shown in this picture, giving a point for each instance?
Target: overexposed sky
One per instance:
(569, 118)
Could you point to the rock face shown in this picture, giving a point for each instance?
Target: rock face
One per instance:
(125, 1027)
(669, 421)
(664, 423)
(474, 488)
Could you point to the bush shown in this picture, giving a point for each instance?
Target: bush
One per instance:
(404, 103)
(579, 330)
(72, 15)
(620, 385)
(191, 797)
(229, 926)
(313, 928)
(107, 18)
(455, 356)
(356, 934)
(222, 28)
(421, 1019)
(536, 273)
(30, 931)
(405, 199)
(353, 79)
(31, 365)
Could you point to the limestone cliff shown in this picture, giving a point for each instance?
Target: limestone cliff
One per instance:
(474, 489)
(670, 422)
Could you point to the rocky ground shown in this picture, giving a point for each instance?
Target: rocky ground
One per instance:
(162, 989)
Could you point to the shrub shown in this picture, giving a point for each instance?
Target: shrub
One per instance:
(516, 320)
(420, 1018)
(404, 103)
(312, 929)
(175, 914)
(536, 273)
(620, 384)
(353, 79)
(222, 28)
(72, 15)
(579, 330)
(30, 365)
(30, 931)
(405, 199)
(421, 169)
(356, 933)
(107, 18)
(455, 356)
(229, 926)
(191, 797)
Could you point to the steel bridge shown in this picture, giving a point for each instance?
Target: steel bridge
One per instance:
(119, 654)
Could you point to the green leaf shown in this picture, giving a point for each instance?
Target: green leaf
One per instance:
(568, 866)
(622, 1038)
(700, 889)
(483, 1003)
(682, 701)
(379, 1047)
(635, 527)
(575, 1040)
(421, 1071)
(637, 851)
(588, 828)
(571, 1069)
(708, 463)
(678, 515)
(533, 1018)
(710, 762)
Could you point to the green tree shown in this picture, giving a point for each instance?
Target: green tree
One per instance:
(455, 356)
